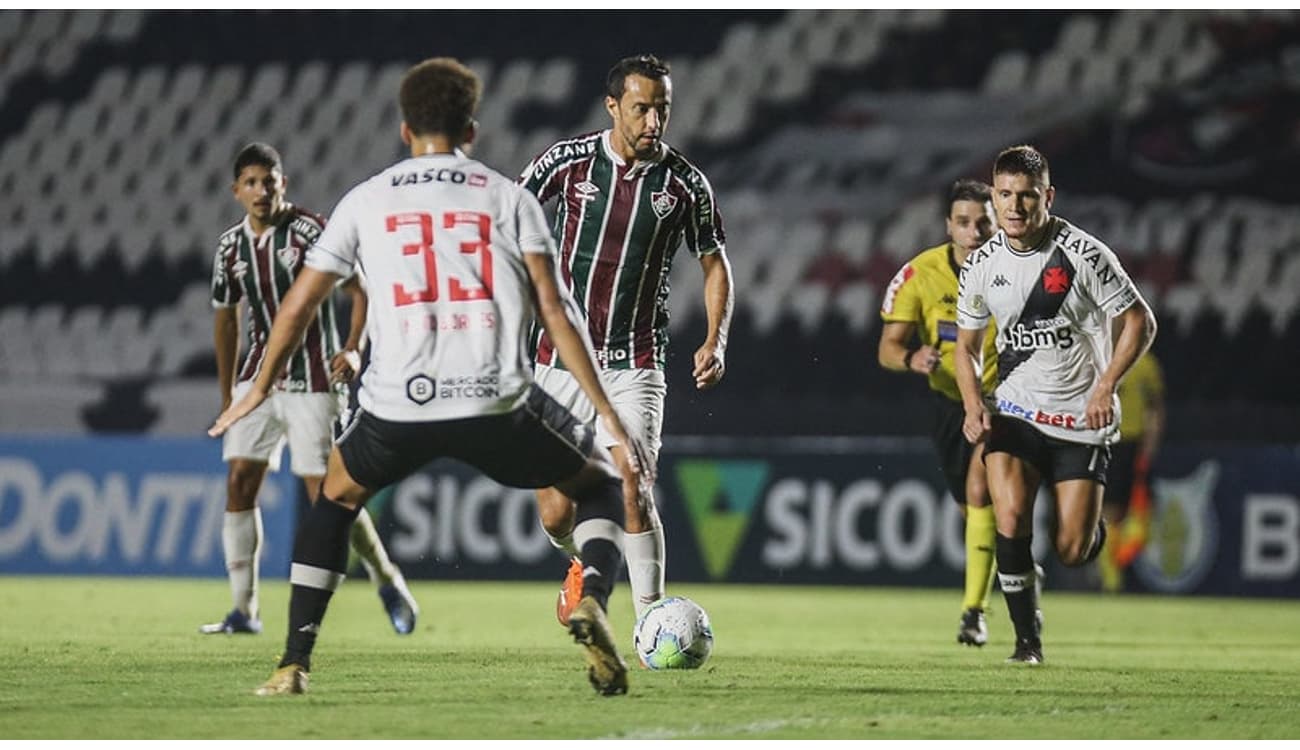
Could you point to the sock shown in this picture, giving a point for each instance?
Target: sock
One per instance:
(645, 565)
(320, 559)
(1016, 575)
(598, 535)
(564, 543)
(366, 543)
(241, 540)
(981, 529)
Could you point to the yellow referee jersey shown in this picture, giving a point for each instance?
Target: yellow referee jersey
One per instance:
(1142, 384)
(924, 292)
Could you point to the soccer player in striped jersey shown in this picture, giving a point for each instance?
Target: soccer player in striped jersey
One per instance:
(460, 264)
(625, 201)
(256, 261)
(1070, 324)
(920, 305)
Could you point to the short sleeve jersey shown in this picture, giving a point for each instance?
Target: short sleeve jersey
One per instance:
(441, 241)
(924, 293)
(1052, 305)
(260, 269)
(618, 226)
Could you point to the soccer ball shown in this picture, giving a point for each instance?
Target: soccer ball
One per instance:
(673, 633)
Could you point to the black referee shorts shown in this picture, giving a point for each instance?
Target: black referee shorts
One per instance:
(950, 444)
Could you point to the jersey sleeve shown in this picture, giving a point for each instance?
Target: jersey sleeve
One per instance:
(335, 250)
(534, 237)
(226, 289)
(901, 302)
(704, 232)
(544, 175)
(1108, 283)
(972, 307)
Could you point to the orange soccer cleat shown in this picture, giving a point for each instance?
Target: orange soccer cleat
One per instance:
(570, 592)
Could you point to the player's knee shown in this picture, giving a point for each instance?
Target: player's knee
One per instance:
(1073, 549)
(555, 511)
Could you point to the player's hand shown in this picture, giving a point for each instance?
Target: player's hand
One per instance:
(710, 366)
(976, 425)
(344, 366)
(640, 469)
(233, 414)
(924, 360)
(1101, 408)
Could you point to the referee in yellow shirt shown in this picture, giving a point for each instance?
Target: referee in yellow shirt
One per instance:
(919, 335)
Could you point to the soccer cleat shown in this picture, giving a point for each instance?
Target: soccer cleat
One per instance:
(605, 668)
(290, 679)
(973, 630)
(1028, 651)
(570, 592)
(400, 605)
(235, 622)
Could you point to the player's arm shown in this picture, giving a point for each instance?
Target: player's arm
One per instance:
(970, 349)
(897, 353)
(225, 338)
(560, 318)
(345, 365)
(300, 305)
(1137, 329)
(719, 302)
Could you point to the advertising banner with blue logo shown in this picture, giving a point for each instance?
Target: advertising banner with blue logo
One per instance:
(127, 506)
(1225, 518)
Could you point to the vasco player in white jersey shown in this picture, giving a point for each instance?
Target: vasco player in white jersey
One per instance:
(459, 264)
(1070, 324)
(256, 261)
(625, 202)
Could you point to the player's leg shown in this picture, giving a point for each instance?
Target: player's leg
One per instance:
(1013, 454)
(638, 396)
(250, 448)
(543, 444)
(310, 418)
(981, 563)
(370, 455)
(1115, 506)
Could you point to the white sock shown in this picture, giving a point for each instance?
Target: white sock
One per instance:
(366, 543)
(241, 540)
(564, 543)
(645, 565)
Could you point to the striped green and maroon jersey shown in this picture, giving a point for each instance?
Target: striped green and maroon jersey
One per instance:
(617, 227)
(260, 270)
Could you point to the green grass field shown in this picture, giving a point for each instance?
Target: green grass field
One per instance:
(115, 658)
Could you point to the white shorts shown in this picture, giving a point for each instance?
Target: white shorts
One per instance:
(304, 420)
(637, 396)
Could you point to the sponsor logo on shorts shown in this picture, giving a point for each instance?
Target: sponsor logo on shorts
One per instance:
(1012, 409)
(421, 389)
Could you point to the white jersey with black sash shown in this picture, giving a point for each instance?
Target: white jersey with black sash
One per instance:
(1052, 305)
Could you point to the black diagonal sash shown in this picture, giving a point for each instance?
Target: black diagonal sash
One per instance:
(1043, 303)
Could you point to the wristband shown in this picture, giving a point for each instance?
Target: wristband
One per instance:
(907, 358)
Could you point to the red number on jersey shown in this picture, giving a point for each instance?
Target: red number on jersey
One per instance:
(457, 291)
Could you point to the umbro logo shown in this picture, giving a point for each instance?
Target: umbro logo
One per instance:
(311, 627)
(590, 570)
(1001, 280)
(587, 190)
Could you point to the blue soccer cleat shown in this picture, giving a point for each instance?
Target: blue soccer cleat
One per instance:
(235, 622)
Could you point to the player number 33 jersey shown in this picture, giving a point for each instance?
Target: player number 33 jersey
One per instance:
(1052, 305)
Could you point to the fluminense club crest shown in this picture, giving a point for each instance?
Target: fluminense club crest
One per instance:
(663, 203)
(288, 256)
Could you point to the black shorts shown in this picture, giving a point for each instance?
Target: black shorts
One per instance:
(1056, 460)
(951, 446)
(538, 444)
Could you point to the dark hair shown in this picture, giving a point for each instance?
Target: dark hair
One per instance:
(968, 190)
(1025, 160)
(257, 154)
(637, 65)
(439, 96)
